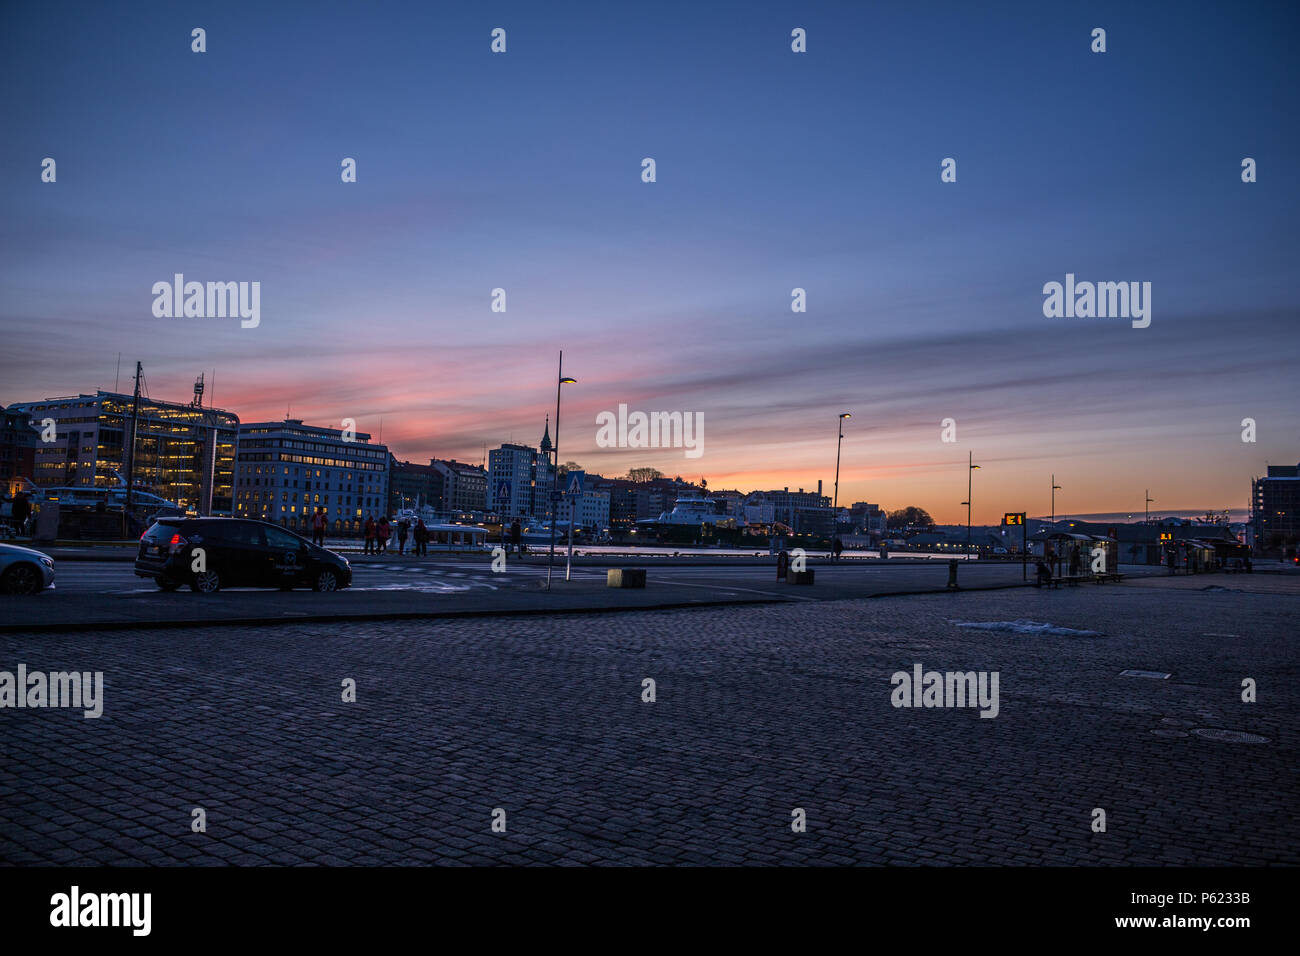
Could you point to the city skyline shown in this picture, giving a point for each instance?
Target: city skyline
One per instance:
(924, 298)
(376, 438)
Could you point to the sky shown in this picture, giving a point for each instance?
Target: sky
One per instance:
(775, 170)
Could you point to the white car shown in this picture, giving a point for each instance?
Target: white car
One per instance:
(24, 571)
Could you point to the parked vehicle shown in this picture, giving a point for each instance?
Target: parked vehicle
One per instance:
(209, 554)
(24, 570)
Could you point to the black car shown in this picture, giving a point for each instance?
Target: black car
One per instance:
(211, 553)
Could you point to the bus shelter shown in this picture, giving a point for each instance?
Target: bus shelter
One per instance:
(1070, 553)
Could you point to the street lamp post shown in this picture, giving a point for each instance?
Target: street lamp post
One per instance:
(1055, 489)
(1147, 493)
(970, 471)
(568, 560)
(835, 501)
(560, 381)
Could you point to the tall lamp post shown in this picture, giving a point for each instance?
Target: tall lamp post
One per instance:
(1147, 493)
(835, 501)
(970, 471)
(1055, 489)
(555, 477)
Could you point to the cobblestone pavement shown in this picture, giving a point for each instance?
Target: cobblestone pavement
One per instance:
(759, 710)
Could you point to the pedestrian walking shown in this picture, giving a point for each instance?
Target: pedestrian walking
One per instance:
(516, 535)
(318, 527)
(421, 538)
(22, 508)
(370, 535)
(384, 530)
(403, 527)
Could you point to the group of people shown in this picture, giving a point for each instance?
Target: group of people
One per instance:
(378, 535)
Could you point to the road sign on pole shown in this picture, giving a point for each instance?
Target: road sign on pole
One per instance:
(1018, 518)
(572, 491)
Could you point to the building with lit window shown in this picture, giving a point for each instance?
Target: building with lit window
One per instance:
(463, 486)
(286, 470)
(413, 486)
(589, 510)
(804, 512)
(1275, 507)
(183, 453)
(18, 441)
(521, 479)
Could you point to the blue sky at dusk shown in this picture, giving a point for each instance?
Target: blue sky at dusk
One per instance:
(775, 170)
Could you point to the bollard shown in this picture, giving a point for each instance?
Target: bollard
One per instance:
(952, 573)
(625, 578)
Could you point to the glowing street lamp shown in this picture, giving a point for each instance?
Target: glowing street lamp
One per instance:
(970, 471)
(835, 500)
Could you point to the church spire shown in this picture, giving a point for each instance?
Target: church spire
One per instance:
(546, 436)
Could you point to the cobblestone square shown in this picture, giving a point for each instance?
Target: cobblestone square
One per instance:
(759, 710)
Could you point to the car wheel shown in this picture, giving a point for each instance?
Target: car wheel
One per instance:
(167, 584)
(206, 582)
(326, 580)
(21, 579)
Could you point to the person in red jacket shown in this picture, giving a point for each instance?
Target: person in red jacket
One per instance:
(370, 535)
(318, 527)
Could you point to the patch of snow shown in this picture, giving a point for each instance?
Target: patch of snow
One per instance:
(1026, 627)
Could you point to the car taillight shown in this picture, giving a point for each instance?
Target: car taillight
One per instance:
(176, 543)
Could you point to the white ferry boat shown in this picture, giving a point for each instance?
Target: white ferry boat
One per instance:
(697, 510)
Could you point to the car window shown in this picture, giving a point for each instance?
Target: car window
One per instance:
(282, 539)
(239, 533)
(161, 532)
